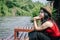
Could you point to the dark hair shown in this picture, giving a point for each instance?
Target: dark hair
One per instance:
(46, 16)
(46, 11)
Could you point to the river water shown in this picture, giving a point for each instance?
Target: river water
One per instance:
(7, 24)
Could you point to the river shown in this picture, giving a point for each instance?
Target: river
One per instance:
(7, 24)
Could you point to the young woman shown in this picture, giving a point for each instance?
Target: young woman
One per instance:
(48, 29)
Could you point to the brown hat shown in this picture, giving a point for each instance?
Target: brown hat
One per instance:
(48, 9)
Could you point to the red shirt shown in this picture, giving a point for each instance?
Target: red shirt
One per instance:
(53, 31)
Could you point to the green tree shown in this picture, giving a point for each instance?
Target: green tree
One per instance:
(19, 8)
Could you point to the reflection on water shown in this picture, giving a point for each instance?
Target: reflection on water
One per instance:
(7, 24)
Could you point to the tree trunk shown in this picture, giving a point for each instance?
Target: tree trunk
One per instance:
(57, 6)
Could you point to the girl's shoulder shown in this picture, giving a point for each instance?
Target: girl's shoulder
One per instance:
(48, 23)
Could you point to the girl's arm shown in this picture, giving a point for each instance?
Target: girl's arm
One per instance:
(43, 26)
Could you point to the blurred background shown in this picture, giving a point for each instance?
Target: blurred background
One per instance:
(20, 7)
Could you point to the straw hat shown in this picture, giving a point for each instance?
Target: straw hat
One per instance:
(48, 9)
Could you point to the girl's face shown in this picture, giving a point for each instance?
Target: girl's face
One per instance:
(41, 14)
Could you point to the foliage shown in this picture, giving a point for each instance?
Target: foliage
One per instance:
(54, 13)
(19, 8)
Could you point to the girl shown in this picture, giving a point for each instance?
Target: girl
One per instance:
(48, 29)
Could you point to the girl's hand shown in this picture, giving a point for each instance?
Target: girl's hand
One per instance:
(36, 18)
